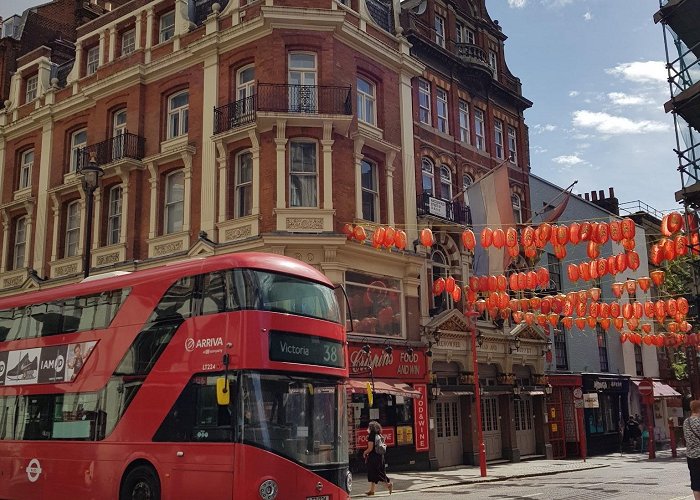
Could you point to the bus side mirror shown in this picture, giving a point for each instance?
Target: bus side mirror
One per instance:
(223, 391)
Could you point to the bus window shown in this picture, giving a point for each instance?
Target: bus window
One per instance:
(6, 320)
(37, 417)
(214, 291)
(77, 417)
(196, 416)
(177, 301)
(242, 290)
(7, 417)
(286, 294)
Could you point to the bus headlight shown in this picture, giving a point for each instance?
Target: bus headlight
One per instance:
(268, 490)
(348, 482)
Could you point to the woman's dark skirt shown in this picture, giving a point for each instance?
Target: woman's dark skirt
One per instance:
(376, 472)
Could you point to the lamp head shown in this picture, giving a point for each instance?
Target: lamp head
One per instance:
(91, 173)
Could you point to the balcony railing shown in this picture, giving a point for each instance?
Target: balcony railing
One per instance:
(452, 211)
(126, 145)
(284, 98)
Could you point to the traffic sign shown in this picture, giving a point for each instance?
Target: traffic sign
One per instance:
(578, 393)
(646, 387)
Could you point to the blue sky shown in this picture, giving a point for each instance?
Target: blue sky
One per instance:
(595, 71)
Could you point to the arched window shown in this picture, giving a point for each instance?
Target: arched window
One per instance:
(245, 90)
(428, 176)
(517, 208)
(25, 169)
(445, 183)
(466, 182)
(114, 215)
(118, 134)
(78, 140)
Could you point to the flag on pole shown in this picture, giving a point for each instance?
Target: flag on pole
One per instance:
(553, 214)
(490, 205)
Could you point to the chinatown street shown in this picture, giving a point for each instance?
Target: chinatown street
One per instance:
(630, 476)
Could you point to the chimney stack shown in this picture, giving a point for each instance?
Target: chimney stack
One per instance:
(594, 196)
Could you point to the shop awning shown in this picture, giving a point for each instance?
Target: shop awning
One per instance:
(359, 386)
(456, 393)
(662, 390)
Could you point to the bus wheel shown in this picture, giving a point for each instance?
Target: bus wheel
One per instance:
(140, 483)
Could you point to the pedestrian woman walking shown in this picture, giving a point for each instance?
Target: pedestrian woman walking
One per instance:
(691, 432)
(376, 468)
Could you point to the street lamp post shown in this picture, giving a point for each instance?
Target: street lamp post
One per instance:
(91, 177)
(471, 315)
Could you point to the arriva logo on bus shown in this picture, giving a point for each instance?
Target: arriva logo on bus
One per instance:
(33, 470)
(191, 344)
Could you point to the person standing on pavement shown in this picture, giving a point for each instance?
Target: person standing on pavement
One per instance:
(691, 433)
(376, 468)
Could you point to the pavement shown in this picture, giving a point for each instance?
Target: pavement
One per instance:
(503, 471)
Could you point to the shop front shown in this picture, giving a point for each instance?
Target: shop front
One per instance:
(564, 433)
(606, 410)
(397, 379)
(666, 402)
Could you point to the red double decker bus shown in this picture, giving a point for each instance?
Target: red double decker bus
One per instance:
(214, 378)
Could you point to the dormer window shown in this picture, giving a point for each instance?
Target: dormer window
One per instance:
(32, 87)
(93, 60)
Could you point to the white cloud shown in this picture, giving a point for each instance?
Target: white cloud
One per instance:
(516, 4)
(622, 99)
(587, 16)
(538, 149)
(569, 160)
(556, 3)
(604, 123)
(548, 127)
(573, 93)
(640, 71)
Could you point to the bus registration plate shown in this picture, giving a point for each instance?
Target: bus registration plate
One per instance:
(322, 497)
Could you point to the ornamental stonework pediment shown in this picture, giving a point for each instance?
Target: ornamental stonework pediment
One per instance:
(451, 320)
(530, 332)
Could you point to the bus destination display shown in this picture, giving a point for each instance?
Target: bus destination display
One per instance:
(308, 349)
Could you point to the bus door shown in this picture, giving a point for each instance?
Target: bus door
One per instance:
(201, 432)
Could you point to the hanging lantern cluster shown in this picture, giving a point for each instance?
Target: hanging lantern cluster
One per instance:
(448, 285)
(673, 244)
(657, 340)
(382, 237)
(612, 265)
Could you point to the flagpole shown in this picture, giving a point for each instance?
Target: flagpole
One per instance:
(461, 191)
(549, 203)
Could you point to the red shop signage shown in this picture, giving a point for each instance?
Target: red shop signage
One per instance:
(389, 434)
(420, 417)
(400, 364)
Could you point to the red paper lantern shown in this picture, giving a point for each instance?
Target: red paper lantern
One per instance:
(535, 303)
(531, 280)
(389, 237)
(681, 245)
(593, 250)
(580, 323)
(594, 309)
(378, 237)
(621, 262)
(568, 308)
(646, 327)
(499, 238)
(501, 283)
(623, 337)
(632, 323)
(594, 294)
(543, 277)
(480, 306)
(671, 307)
(581, 309)
(528, 236)
(591, 320)
(617, 288)
(631, 287)
(426, 237)
(683, 306)
(449, 284)
(605, 323)
(615, 309)
(584, 271)
(627, 311)
(511, 237)
(660, 309)
(522, 281)
(347, 230)
(573, 272)
(593, 269)
(529, 318)
(612, 265)
(438, 286)
(359, 233)
(585, 231)
(456, 294)
(530, 251)
(618, 322)
(575, 233)
(649, 310)
(514, 251)
(513, 281)
(553, 319)
(568, 322)
(633, 260)
(657, 277)
(542, 234)
(400, 239)
(656, 254)
(486, 237)
(560, 252)
(602, 265)
(503, 300)
(644, 283)
(628, 244)
(562, 235)
(468, 239)
(628, 228)
(491, 283)
(615, 230)
(674, 222)
(638, 310)
(474, 283)
(546, 305)
(604, 310)
(601, 233)
(517, 317)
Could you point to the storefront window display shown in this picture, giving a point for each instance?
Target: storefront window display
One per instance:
(394, 413)
(376, 304)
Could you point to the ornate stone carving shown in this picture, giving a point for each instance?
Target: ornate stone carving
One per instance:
(238, 233)
(110, 258)
(13, 281)
(67, 269)
(454, 324)
(167, 248)
(304, 223)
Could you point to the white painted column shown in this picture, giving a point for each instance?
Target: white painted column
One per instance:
(138, 20)
(124, 227)
(327, 145)
(255, 152)
(208, 188)
(101, 55)
(358, 156)
(56, 207)
(407, 157)
(29, 231)
(187, 160)
(42, 205)
(5, 240)
(97, 217)
(112, 43)
(222, 161)
(83, 218)
(390, 187)
(150, 15)
(281, 148)
(153, 181)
